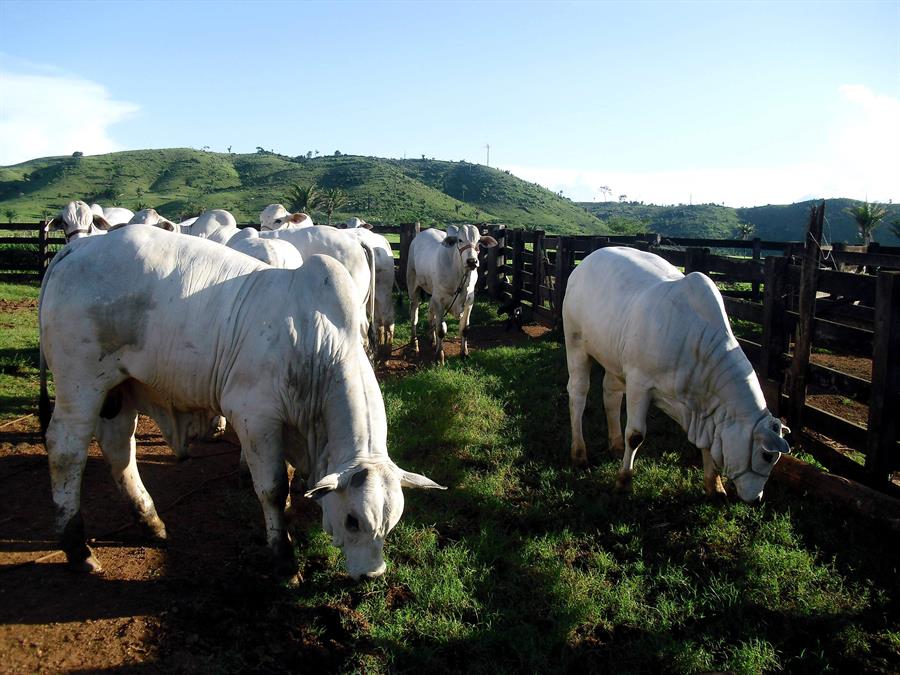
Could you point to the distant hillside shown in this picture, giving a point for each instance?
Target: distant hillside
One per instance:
(774, 222)
(180, 182)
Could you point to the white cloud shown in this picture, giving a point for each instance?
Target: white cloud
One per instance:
(55, 114)
(862, 161)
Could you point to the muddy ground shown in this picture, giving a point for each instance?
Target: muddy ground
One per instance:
(156, 609)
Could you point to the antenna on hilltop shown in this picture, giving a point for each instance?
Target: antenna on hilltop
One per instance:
(488, 148)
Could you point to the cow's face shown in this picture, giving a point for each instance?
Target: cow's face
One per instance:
(749, 462)
(359, 507)
(468, 242)
(270, 214)
(77, 220)
(291, 220)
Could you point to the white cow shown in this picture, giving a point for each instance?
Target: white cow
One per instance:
(290, 220)
(151, 217)
(269, 214)
(357, 256)
(355, 223)
(663, 337)
(181, 332)
(273, 252)
(385, 279)
(77, 220)
(444, 265)
(114, 215)
(217, 225)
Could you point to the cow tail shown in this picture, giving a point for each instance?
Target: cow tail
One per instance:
(44, 407)
(370, 304)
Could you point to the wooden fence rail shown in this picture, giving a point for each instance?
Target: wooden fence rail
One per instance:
(783, 289)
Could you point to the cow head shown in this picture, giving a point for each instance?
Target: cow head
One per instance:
(360, 505)
(467, 239)
(354, 223)
(292, 220)
(77, 220)
(748, 454)
(270, 214)
(151, 217)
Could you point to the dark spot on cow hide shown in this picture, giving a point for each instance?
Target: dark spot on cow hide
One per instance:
(121, 322)
(635, 440)
(359, 478)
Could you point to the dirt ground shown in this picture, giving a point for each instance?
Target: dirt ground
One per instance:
(155, 609)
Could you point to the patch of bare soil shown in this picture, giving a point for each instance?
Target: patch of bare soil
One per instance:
(202, 603)
(17, 305)
(857, 366)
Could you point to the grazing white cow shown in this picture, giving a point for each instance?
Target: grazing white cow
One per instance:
(114, 215)
(273, 252)
(444, 265)
(385, 280)
(663, 337)
(270, 214)
(151, 217)
(180, 332)
(77, 220)
(217, 225)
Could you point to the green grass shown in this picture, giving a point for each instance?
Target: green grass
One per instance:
(18, 351)
(527, 565)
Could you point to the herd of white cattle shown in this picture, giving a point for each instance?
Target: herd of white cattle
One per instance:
(275, 331)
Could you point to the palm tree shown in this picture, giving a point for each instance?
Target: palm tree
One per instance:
(333, 199)
(10, 215)
(868, 217)
(744, 230)
(304, 198)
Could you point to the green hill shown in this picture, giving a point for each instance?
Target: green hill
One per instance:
(180, 182)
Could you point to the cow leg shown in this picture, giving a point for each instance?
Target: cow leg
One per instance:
(637, 402)
(438, 328)
(613, 391)
(464, 329)
(712, 483)
(116, 439)
(265, 457)
(579, 364)
(67, 446)
(415, 297)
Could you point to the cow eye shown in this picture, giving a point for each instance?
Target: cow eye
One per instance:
(352, 524)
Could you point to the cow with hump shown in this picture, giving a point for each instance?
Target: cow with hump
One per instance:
(184, 330)
(664, 338)
(444, 265)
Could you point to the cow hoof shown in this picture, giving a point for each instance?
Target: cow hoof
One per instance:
(623, 483)
(89, 565)
(617, 451)
(155, 530)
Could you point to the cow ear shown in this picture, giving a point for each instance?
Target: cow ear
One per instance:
(324, 486)
(54, 224)
(449, 241)
(366, 225)
(166, 224)
(487, 241)
(298, 217)
(417, 480)
(101, 223)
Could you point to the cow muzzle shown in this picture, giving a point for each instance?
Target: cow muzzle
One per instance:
(472, 263)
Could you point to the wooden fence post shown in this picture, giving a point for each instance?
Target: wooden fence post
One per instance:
(881, 456)
(695, 260)
(774, 335)
(809, 276)
(43, 262)
(562, 271)
(757, 256)
(494, 260)
(518, 247)
(537, 268)
(408, 232)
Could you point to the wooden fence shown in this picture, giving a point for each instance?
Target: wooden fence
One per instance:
(793, 296)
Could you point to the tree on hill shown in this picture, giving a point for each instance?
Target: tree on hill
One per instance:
(333, 199)
(744, 230)
(895, 227)
(303, 198)
(868, 217)
(10, 215)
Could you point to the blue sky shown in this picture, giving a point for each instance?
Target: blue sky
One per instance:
(666, 102)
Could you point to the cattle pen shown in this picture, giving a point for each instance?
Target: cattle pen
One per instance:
(525, 564)
(788, 302)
